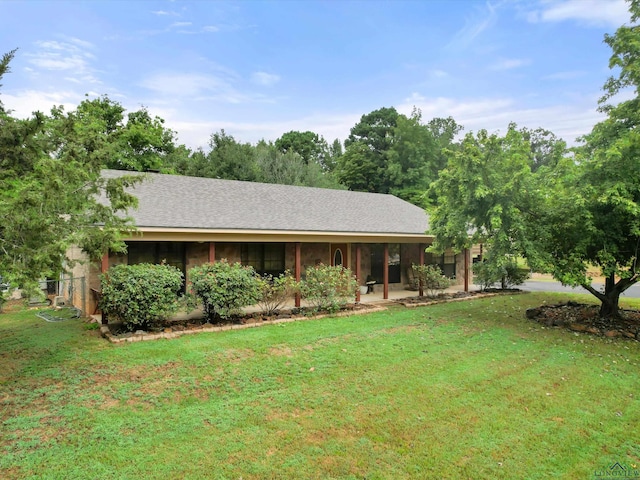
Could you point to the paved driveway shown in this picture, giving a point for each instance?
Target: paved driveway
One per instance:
(553, 286)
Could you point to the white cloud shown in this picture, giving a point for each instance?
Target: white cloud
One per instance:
(477, 22)
(608, 13)
(196, 134)
(183, 84)
(165, 13)
(264, 79)
(495, 114)
(438, 74)
(26, 102)
(510, 63)
(72, 56)
(568, 75)
(180, 24)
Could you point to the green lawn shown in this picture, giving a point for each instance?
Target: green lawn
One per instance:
(464, 390)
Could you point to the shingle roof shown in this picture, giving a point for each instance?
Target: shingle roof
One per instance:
(173, 201)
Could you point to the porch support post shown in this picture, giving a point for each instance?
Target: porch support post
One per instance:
(420, 285)
(358, 274)
(466, 269)
(212, 252)
(298, 273)
(385, 271)
(104, 264)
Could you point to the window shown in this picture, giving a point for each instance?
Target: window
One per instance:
(377, 258)
(171, 253)
(265, 258)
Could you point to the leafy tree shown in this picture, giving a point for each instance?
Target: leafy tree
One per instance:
(597, 196)
(444, 132)
(140, 144)
(546, 148)
(290, 169)
(50, 187)
(231, 160)
(388, 152)
(364, 163)
(310, 146)
(408, 159)
(335, 152)
(487, 194)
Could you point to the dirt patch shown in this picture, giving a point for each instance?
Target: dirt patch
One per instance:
(585, 318)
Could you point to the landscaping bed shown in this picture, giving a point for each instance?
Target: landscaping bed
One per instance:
(417, 301)
(580, 317)
(117, 333)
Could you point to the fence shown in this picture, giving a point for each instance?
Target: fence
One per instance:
(65, 291)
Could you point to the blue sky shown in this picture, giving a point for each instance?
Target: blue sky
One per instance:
(258, 69)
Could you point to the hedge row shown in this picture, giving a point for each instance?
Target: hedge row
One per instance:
(144, 294)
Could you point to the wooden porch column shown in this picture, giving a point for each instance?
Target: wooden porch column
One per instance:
(385, 271)
(358, 275)
(212, 252)
(104, 264)
(466, 269)
(420, 285)
(298, 272)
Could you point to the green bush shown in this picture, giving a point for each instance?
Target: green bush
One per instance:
(432, 279)
(224, 288)
(328, 288)
(275, 291)
(139, 295)
(487, 273)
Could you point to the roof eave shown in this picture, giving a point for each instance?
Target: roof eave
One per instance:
(231, 235)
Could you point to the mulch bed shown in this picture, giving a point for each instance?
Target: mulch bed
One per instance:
(580, 317)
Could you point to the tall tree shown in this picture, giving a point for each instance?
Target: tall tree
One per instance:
(487, 195)
(409, 159)
(141, 143)
(50, 190)
(364, 163)
(230, 159)
(546, 147)
(598, 218)
(310, 146)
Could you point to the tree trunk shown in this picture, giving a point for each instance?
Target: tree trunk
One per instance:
(609, 306)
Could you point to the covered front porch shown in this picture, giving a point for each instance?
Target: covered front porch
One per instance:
(383, 262)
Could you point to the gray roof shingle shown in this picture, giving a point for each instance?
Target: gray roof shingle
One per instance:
(173, 201)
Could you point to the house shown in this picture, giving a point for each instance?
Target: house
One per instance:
(188, 221)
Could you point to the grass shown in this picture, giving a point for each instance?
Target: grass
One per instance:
(463, 390)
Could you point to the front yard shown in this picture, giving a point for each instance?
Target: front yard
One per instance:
(461, 390)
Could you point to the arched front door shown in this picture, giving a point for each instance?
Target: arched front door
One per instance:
(339, 254)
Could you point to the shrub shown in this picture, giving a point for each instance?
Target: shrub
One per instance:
(431, 278)
(275, 291)
(328, 288)
(139, 295)
(487, 273)
(224, 288)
